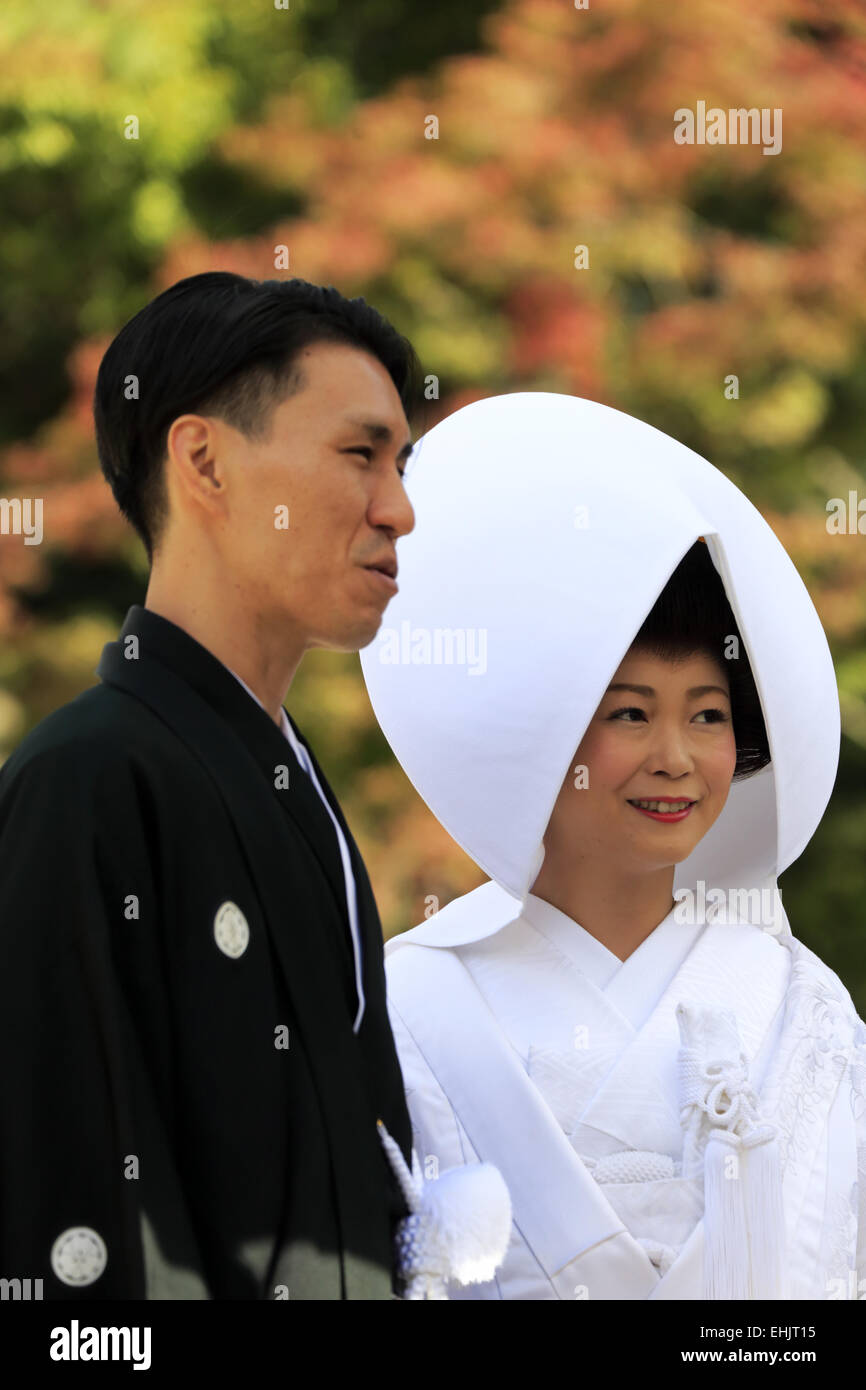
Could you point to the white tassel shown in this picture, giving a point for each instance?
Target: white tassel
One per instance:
(765, 1213)
(744, 1220)
(409, 1183)
(726, 1273)
(458, 1228)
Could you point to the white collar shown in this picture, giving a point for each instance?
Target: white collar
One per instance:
(589, 955)
(634, 985)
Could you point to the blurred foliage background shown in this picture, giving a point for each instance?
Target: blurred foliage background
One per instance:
(305, 126)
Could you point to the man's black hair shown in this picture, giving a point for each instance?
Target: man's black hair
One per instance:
(224, 345)
(692, 614)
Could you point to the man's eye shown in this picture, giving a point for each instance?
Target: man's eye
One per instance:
(364, 449)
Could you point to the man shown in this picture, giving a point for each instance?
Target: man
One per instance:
(193, 1026)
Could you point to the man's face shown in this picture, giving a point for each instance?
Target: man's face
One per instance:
(665, 733)
(334, 460)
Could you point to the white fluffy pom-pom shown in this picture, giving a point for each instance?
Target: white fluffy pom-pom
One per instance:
(458, 1227)
(469, 1210)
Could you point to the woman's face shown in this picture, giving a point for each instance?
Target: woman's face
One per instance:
(663, 730)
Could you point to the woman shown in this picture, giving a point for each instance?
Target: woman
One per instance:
(621, 1020)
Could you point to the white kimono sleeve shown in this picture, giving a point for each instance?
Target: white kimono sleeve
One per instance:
(441, 1142)
(438, 1137)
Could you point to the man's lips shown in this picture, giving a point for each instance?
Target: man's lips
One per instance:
(652, 807)
(384, 580)
(386, 563)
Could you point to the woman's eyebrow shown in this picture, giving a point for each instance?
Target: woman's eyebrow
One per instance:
(694, 694)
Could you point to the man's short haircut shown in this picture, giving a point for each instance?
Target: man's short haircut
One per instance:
(223, 345)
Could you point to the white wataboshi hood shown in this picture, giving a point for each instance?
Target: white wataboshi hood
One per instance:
(546, 527)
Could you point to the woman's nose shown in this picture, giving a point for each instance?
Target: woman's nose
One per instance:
(670, 752)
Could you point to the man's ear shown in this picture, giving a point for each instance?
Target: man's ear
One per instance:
(193, 456)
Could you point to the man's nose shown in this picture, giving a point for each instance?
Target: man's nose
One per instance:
(391, 507)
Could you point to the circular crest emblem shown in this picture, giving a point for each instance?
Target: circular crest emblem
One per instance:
(231, 930)
(78, 1256)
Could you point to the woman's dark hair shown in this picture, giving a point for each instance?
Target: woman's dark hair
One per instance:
(692, 614)
(219, 344)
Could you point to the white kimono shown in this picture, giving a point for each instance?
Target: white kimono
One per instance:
(689, 1123)
(621, 1214)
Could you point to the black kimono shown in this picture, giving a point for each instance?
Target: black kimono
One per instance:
(185, 1109)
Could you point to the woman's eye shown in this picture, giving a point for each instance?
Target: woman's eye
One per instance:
(716, 716)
